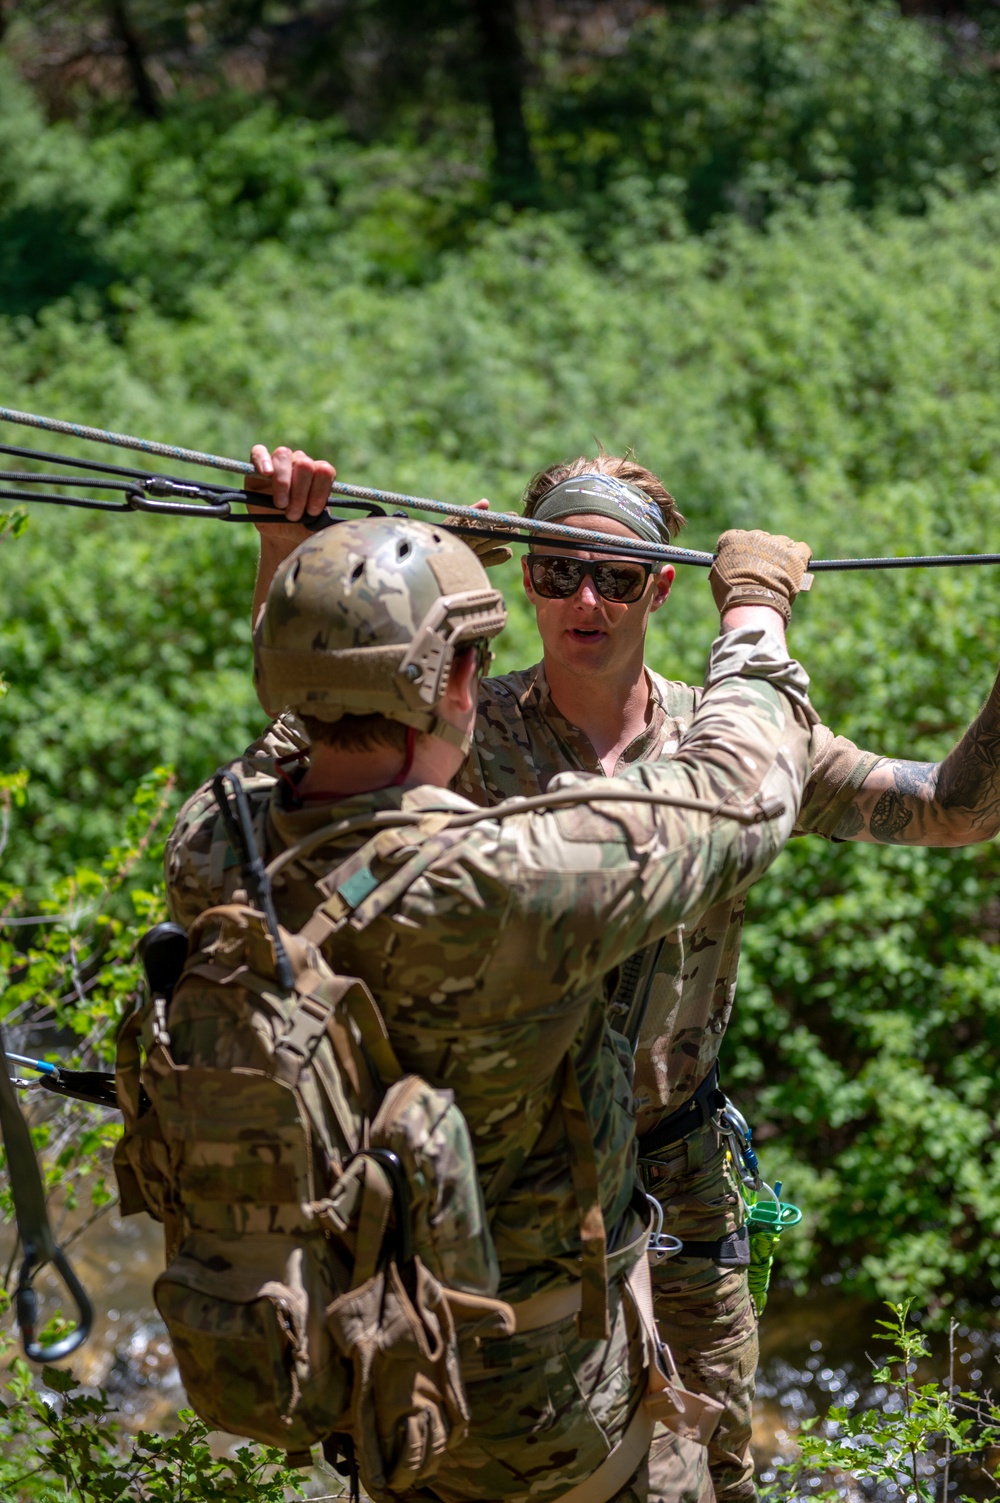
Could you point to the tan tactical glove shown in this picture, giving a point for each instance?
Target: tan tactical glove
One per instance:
(759, 568)
(488, 551)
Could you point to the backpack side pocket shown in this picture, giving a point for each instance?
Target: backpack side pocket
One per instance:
(246, 1318)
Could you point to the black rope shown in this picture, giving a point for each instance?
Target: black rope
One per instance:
(104, 469)
(34, 478)
(922, 561)
(9, 495)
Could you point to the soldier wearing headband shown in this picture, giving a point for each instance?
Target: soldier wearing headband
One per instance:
(592, 704)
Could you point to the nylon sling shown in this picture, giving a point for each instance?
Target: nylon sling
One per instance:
(40, 1246)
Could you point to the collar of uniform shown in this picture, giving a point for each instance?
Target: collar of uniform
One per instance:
(643, 747)
(293, 825)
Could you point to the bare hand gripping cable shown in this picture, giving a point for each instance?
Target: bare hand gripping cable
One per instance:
(143, 490)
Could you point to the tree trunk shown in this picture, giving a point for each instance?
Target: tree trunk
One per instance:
(515, 172)
(147, 100)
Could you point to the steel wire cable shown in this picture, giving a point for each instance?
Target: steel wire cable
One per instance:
(504, 526)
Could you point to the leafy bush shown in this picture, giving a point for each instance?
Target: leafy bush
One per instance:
(62, 1442)
(739, 109)
(150, 211)
(917, 1435)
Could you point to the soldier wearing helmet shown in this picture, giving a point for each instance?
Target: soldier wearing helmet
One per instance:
(406, 604)
(489, 969)
(592, 706)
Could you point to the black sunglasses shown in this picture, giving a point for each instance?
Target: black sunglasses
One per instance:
(557, 576)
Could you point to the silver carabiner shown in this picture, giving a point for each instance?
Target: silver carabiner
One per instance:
(661, 1244)
(736, 1130)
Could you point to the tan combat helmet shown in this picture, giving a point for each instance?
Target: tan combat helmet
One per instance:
(365, 618)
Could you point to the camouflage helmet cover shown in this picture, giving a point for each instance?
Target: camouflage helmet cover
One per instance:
(364, 618)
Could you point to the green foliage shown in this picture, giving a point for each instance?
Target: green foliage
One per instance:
(834, 375)
(68, 974)
(61, 1441)
(150, 211)
(742, 110)
(915, 1434)
(691, 114)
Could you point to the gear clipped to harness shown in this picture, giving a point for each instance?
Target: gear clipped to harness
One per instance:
(767, 1215)
(766, 1220)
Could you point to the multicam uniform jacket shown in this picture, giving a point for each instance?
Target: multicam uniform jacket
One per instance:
(704, 1310)
(489, 975)
(522, 742)
(494, 961)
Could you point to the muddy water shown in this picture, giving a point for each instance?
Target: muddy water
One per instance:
(815, 1351)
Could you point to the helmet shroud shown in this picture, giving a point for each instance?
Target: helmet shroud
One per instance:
(365, 618)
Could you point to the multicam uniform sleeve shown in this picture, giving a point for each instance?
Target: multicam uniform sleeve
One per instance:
(596, 882)
(838, 769)
(186, 859)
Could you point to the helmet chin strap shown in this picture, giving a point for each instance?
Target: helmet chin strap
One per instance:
(404, 771)
(445, 731)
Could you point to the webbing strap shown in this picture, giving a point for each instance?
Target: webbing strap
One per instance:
(594, 1324)
(694, 1416)
(31, 1214)
(25, 1177)
(547, 1307)
(351, 886)
(374, 1034)
(616, 1468)
(373, 1219)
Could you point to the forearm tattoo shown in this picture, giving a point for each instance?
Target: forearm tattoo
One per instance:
(894, 813)
(969, 777)
(956, 801)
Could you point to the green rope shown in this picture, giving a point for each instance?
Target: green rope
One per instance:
(766, 1221)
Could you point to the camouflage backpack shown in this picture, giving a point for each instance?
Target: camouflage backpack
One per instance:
(322, 1213)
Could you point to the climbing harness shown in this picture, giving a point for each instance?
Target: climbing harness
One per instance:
(696, 1112)
(144, 491)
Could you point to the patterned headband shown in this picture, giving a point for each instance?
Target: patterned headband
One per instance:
(603, 496)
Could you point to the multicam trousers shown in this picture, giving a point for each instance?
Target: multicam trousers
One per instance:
(546, 1410)
(703, 1311)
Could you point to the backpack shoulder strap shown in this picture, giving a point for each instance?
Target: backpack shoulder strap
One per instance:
(351, 892)
(357, 898)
